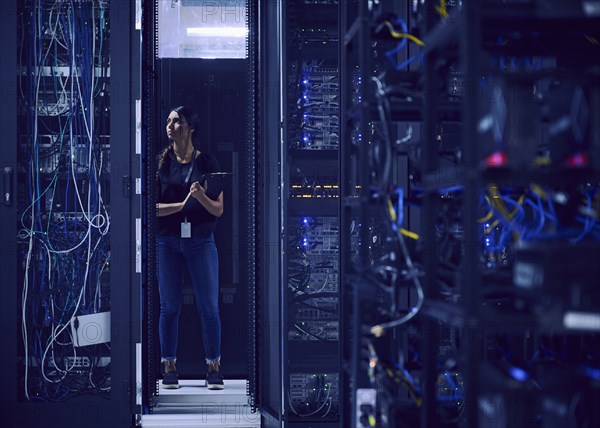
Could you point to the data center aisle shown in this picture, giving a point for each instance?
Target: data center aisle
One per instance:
(193, 405)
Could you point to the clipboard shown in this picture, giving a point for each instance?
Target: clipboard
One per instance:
(216, 183)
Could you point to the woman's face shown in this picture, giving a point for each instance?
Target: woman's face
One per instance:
(177, 128)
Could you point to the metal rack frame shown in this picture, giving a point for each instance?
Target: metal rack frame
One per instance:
(249, 222)
(119, 410)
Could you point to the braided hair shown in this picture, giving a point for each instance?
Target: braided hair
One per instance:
(162, 157)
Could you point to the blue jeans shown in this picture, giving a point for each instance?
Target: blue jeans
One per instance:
(199, 255)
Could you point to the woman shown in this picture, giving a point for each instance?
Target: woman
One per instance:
(186, 221)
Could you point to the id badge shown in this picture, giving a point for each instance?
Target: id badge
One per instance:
(186, 229)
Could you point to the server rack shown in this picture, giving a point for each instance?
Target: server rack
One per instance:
(233, 139)
(356, 60)
(376, 175)
(310, 214)
(269, 266)
(92, 385)
(150, 110)
(482, 67)
(522, 170)
(251, 249)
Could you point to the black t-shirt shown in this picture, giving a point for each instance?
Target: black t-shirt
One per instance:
(171, 189)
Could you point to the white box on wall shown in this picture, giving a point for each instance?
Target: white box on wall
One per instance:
(91, 329)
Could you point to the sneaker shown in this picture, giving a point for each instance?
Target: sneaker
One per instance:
(170, 380)
(214, 380)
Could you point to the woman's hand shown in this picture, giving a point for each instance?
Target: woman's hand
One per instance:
(163, 210)
(199, 192)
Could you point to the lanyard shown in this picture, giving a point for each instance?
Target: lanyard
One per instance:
(189, 174)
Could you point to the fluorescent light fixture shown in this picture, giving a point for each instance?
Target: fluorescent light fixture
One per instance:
(217, 32)
(582, 321)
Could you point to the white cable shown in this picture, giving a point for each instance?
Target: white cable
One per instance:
(92, 73)
(313, 335)
(57, 23)
(106, 389)
(89, 130)
(98, 295)
(407, 137)
(23, 313)
(71, 342)
(91, 165)
(107, 216)
(100, 220)
(53, 40)
(34, 202)
(86, 213)
(53, 357)
(323, 287)
(303, 415)
(378, 329)
(328, 408)
(79, 299)
(75, 78)
(30, 249)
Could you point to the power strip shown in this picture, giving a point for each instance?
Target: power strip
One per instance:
(366, 410)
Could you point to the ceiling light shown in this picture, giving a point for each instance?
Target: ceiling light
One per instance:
(217, 32)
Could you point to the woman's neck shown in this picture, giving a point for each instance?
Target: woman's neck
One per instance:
(183, 149)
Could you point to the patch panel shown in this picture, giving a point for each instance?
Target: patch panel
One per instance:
(318, 104)
(314, 190)
(456, 81)
(314, 330)
(313, 394)
(326, 310)
(76, 362)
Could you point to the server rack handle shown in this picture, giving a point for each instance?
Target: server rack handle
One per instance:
(7, 185)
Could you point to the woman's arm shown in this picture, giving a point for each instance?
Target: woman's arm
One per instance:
(213, 207)
(163, 210)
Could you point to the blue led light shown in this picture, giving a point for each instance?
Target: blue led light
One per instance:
(518, 374)
(48, 318)
(593, 373)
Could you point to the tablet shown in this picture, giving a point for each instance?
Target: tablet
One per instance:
(216, 183)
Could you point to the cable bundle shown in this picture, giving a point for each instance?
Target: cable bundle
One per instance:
(64, 215)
